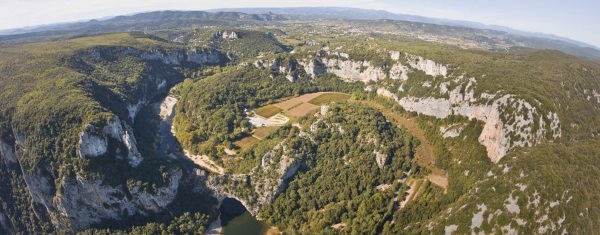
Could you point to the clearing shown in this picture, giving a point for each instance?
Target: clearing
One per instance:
(439, 180)
(246, 143)
(262, 132)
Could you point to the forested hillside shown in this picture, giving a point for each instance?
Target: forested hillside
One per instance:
(311, 128)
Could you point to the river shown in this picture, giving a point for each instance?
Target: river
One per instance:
(236, 220)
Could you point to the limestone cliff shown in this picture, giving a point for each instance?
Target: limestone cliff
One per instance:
(80, 193)
(509, 120)
(93, 143)
(342, 65)
(84, 199)
(262, 185)
(84, 202)
(287, 67)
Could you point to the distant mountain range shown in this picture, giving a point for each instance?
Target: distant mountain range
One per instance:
(240, 17)
(530, 39)
(367, 14)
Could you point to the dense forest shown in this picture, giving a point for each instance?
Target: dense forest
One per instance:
(211, 111)
(346, 183)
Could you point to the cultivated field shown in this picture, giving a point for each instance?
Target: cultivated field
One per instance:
(301, 110)
(262, 132)
(308, 103)
(271, 115)
(291, 103)
(267, 111)
(328, 98)
(246, 142)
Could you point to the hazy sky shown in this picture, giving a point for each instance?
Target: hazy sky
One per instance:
(576, 19)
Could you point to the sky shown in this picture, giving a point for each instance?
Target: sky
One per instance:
(575, 19)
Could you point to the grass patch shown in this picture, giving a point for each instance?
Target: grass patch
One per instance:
(329, 97)
(262, 132)
(267, 111)
(246, 142)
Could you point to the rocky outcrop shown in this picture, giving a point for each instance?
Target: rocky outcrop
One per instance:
(91, 145)
(283, 66)
(8, 153)
(354, 70)
(509, 121)
(428, 66)
(77, 196)
(452, 131)
(205, 57)
(94, 142)
(133, 109)
(177, 57)
(314, 67)
(381, 159)
(342, 65)
(226, 35)
(261, 186)
(168, 57)
(84, 202)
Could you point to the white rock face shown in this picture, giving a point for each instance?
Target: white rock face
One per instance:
(511, 205)
(94, 143)
(451, 131)
(381, 159)
(161, 84)
(204, 57)
(496, 135)
(81, 202)
(395, 55)
(477, 219)
(399, 72)
(177, 57)
(85, 202)
(41, 192)
(7, 153)
(226, 35)
(266, 180)
(428, 66)
(172, 58)
(448, 230)
(133, 109)
(91, 145)
(313, 67)
(277, 67)
(354, 70)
